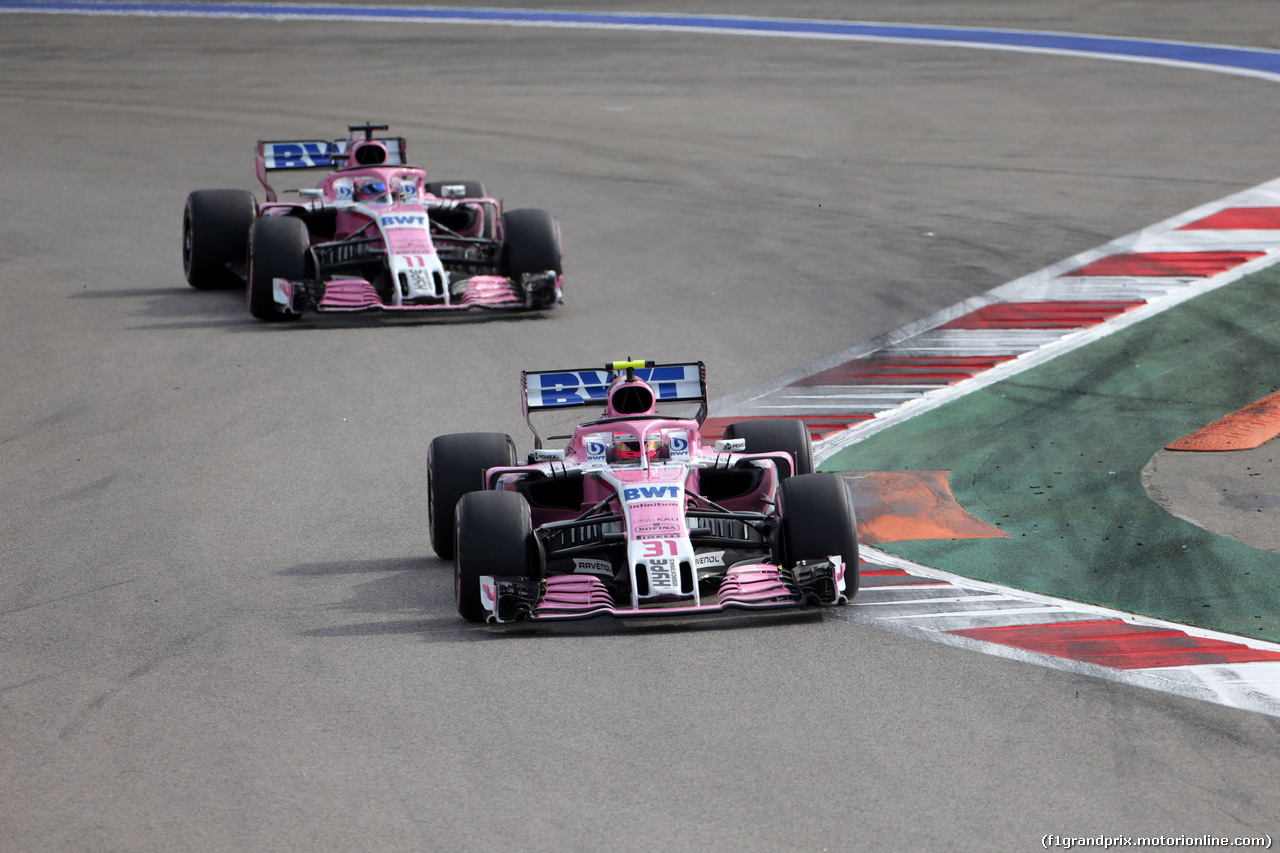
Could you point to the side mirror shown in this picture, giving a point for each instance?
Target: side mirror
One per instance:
(731, 445)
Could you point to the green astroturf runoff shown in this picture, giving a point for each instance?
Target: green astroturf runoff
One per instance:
(1054, 457)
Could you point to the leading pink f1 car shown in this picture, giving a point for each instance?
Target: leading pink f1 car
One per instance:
(374, 235)
(635, 516)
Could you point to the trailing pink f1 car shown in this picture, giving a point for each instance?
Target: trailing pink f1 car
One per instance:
(635, 516)
(374, 235)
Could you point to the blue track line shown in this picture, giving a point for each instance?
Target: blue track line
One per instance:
(1251, 62)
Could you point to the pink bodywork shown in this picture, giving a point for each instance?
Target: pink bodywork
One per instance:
(752, 587)
(403, 230)
(595, 491)
(578, 596)
(749, 587)
(483, 291)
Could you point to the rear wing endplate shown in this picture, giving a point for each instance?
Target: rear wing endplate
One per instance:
(547, 390)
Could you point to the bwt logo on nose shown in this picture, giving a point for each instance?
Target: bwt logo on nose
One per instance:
(640, 493)
(402, 221)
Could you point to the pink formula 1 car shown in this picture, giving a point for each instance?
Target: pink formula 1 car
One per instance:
(374, 235)
(635, 516)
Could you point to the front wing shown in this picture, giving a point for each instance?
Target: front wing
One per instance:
(755, 586)
(354, 295)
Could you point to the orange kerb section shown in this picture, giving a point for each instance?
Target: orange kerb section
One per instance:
(894, 506)
(1250, 427)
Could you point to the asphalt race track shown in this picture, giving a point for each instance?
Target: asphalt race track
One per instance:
(221, 623)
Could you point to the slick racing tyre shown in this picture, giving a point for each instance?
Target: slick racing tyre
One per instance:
(532, 245)
(279, 247)
(494, 533)
(457, 189)
(818, 521)
(771, 435)
(455, 466)
(215, 237)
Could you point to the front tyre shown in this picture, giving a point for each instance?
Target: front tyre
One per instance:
(531, 245)
(455, 466)
(818, 520)
(215, 237)
(279, 247)
(790, 435)
(494, 533)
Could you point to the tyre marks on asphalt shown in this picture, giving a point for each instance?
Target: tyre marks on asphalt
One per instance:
(1015, 327)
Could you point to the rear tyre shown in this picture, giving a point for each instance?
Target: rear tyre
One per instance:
(455, 466)
(769, 436)
(818, 520)
(450, 189)
(215, 237)
(494, 532)
(279, 247)
(532, 245)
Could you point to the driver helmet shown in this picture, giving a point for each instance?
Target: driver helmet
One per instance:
(626, 446)
(372, 191)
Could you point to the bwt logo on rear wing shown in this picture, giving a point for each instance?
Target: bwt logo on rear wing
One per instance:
(319, 153)
(560, 389)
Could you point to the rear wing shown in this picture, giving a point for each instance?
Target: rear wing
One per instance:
(275, 155)
(548, 390)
